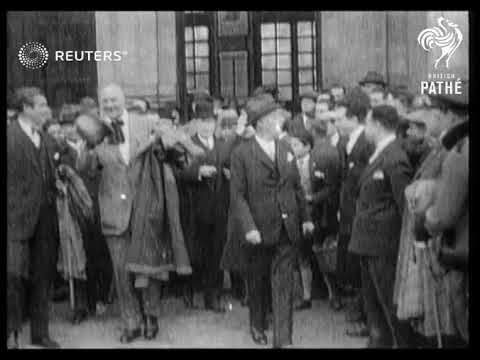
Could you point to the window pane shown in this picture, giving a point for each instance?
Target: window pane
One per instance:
(304, 44)
(201, 33)
(285, 92)
(202, 81)
(283, 61)
(283, 30)
(284, 46)
(189, 50)
(268, 62)
(305, 76)
(189, 65)
(304, 28)
(201, 49)
(305, 60)
(268, 46)
(188, 34)
(201, 65)
(268, 77)
(304, 88)
(268, 30)
(190, 82)
(284, 78)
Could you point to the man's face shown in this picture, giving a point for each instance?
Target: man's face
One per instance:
(307, 105)
(371, 127)
(344, 124)
(56, 132)
(376, 98)
(39, 112)
(299, 149)
(416, 131)
(70, 132)
(368, 88)
(320, 108)
(206, 127)
(338, 94)
(272, 123)
(112, 102)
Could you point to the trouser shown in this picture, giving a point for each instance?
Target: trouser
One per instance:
(348, 264)
(129, 304)
(273, 284)
(212, 275)
(149, 296)
(43, 256)
(99, 265)
(15, 303)
(81, 301)
(378, 275)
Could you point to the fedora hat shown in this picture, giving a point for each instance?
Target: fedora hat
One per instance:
(260, 106)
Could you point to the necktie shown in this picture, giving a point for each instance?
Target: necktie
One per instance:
(118, 136)
(36, 138)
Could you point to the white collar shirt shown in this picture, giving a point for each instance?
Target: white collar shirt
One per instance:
(352, 139)
(32, 134)
(267, 146)
(381, 146)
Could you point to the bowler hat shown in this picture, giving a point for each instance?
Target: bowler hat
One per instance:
(311, 94)
(204, 110)
(373, 77)
(260, 106)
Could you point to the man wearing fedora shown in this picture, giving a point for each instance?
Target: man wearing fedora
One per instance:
(268, 203)
(372, 80)
(303, 120)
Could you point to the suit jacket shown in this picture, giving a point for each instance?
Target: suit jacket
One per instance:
(378, 218)
(265, 196)
(115, 193)
(353, 166)
(27, 195)
(325, 174)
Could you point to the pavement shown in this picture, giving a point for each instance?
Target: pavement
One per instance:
(319, 327)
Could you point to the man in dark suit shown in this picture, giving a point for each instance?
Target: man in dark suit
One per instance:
(208, 180)
(377, 224)
(303, 120)
(268, 203)
(32, 232)
(355, 151)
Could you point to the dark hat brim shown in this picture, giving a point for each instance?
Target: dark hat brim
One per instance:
(253, 118)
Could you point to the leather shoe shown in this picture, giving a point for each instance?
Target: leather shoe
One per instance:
(46, 342)
(361, 331)
(129, 335)
(151, 328)
(258, 336)
(306, 304)
(79, 316)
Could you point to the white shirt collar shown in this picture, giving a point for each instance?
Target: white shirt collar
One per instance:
(334, 139)
(304, 159)
(382, 145)
(352, 139)
(123, 117)
(267, 145)
(26, 126)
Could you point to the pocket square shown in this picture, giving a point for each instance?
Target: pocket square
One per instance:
(319, 174)
(351, 165)
(289, 157)
(378, 175)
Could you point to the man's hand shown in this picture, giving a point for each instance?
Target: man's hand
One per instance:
(253, 237)
(206, 171)
(307, 227)
(227, 174)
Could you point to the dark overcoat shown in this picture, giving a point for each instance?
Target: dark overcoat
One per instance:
(25, 194)
(264, 196)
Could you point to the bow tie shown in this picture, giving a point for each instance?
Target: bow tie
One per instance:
(118, 137)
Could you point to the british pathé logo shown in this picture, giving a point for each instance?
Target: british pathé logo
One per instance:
(33, 55)
(446, 36)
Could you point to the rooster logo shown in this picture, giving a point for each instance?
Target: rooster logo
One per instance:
(447, 36)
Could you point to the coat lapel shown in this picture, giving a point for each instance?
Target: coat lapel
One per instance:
(25, 143)
(261, 156)
(377, 162)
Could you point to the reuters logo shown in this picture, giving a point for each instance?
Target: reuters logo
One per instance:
(33, 55)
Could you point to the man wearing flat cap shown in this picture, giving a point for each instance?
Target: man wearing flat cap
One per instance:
(372, 80)
(268, 203)
(303, 120)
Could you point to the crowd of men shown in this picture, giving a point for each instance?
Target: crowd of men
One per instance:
(372, 178)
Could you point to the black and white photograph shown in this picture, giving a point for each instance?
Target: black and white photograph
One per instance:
(237, 179)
